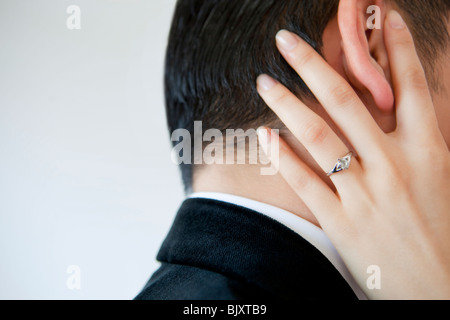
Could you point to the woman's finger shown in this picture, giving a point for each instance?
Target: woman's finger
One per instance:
(334, 93)
(310, 129)
(415, 111)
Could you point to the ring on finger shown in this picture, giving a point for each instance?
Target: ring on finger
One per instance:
(342, 164)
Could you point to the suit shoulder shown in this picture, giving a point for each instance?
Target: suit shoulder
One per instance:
(180, 282)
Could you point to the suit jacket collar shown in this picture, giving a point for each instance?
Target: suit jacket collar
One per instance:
(247, 246)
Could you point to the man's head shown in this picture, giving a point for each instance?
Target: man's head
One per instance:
(217, 48)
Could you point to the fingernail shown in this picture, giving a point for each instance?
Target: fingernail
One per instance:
(264, 138)
(265, 82)
(286, 40)
(396, 21)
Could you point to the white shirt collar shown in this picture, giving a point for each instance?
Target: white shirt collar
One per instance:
(305, 229)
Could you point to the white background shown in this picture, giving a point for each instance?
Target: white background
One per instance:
(85, 171)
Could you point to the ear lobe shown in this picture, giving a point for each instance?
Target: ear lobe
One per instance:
(363, 70)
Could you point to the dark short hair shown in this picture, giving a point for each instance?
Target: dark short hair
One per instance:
(217, 49)
(428, 21)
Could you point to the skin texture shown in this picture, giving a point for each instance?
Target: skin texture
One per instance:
(383, 211)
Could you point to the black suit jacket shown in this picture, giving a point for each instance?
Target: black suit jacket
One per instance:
(220, 251)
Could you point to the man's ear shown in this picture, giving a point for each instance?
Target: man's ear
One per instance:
(365, 57)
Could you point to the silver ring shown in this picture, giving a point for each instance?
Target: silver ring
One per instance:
(342, 164)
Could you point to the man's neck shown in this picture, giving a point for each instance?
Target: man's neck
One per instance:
(246, 181)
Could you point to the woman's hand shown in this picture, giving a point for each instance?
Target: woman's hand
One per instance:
(392, 207)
